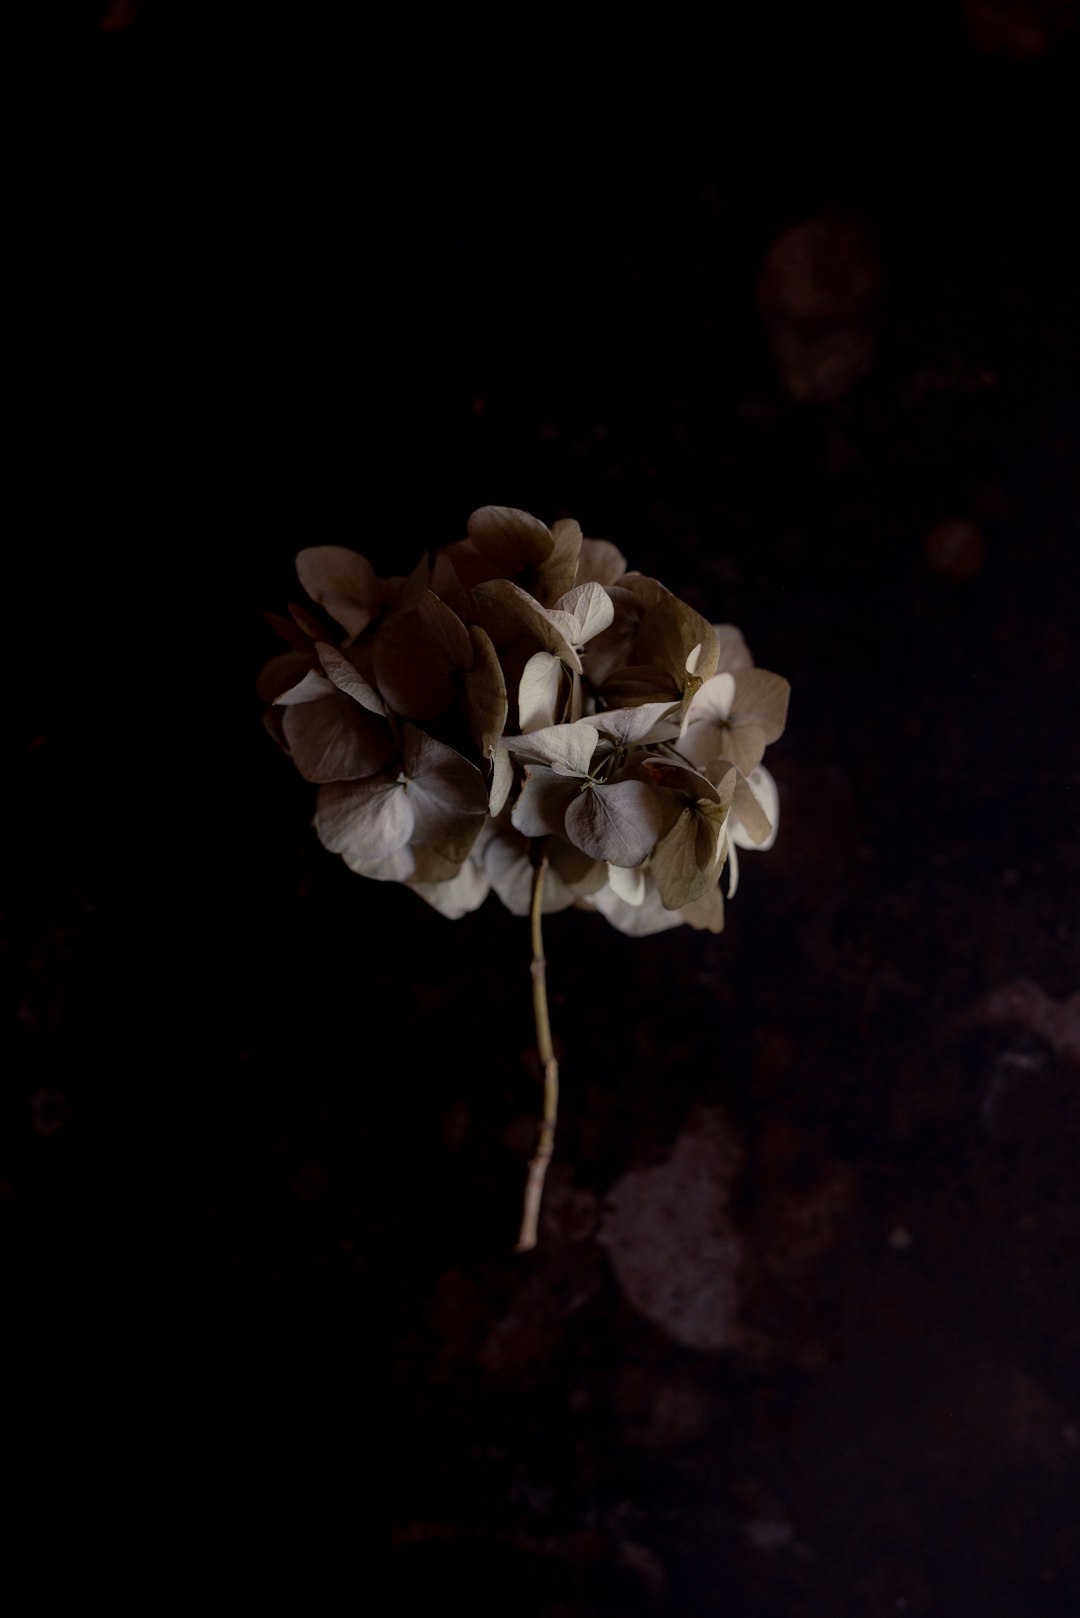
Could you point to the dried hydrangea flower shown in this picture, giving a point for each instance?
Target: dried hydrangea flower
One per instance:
(522, 715)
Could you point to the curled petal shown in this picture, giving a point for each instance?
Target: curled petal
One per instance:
(539, 691)
(343, 582)
(344, 675)
(512, 616)
(558, 572)
(485, 693)
(755, 811)
(502, 779)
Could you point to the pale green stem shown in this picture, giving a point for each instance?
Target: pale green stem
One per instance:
(545, 1145)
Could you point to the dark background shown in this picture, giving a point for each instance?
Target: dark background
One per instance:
(792, 319)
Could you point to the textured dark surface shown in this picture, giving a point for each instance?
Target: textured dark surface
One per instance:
(265, 1125)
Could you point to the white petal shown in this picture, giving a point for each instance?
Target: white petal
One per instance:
(627, 882)
(591, 610)
(713, 700)
(568, 749)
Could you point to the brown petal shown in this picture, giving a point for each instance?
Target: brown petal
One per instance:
(339, 669)
(684, 860)
(669, 631)
(508, 538)
(556, 574)
(281, 674)
(707, 913)
(600, 562)
(336, 740)
(485, 693)
(761, 699)
(419, 657)
(343, 582)
(511, 616)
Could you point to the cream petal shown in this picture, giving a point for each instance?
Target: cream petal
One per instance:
(589, 609)
(538, 692)
(627, 882)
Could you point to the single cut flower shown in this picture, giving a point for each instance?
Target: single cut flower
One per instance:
(523, 715)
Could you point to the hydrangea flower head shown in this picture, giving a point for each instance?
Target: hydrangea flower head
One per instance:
(522, 688)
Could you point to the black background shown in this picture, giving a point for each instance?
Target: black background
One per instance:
(265, 1125)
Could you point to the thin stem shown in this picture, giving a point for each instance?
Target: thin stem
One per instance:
(545, 1145)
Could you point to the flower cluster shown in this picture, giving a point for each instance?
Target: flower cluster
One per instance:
(521, 685)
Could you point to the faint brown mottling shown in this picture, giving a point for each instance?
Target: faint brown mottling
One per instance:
(1022, 30)
(955, 548)
(818, 295)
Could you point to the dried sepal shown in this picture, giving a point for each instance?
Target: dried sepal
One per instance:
(421, 654)
(343, 582)
(618, 824)
(484, 688)
(734, 717)
(337, 668)
(281, 674)
(511, 616)
(460, 895)
(599, 562)
(540, 692)
(509, 539)
(438, 798)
